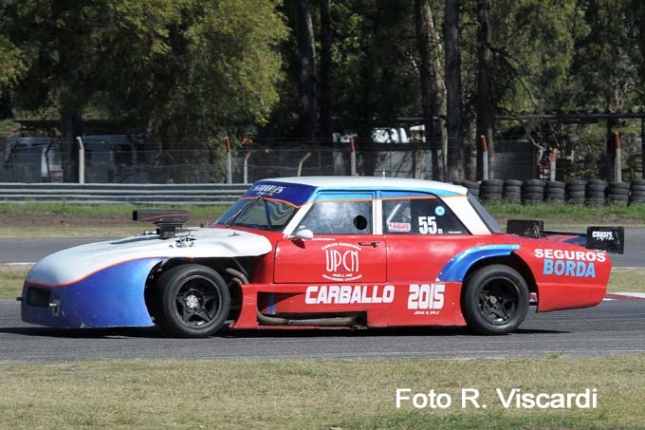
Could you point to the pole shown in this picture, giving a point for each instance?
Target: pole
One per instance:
(619, 161)
(352, 156)
(302, 161)
(229, 161)
(246, 166)
(552, 167)
(81, 160)
(484, 157)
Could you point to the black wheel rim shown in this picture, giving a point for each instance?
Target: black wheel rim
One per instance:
(197, 301)
(498, 301)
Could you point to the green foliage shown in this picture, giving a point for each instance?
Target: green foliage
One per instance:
(534, 46)
(374, 62)
(186, 68)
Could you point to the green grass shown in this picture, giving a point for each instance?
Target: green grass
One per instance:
(34, 208)
(565, 214)
(314, 393)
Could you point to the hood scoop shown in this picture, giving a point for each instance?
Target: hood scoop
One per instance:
(167, 221)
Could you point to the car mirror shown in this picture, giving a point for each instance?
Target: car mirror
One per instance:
(304, 234)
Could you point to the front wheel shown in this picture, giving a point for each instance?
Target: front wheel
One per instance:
(495, 300)
(195, 301)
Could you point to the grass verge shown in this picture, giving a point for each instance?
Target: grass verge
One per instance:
(622, 280)
(30, 220)
(316, 394)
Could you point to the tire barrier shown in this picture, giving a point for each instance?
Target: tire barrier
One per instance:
(490, 191)
(593, 192)
(575, 191)
(512, 192)
(596, 192)
(533, 191)
(637, 192)
(472, 186)
(554, 192)
(618, 193)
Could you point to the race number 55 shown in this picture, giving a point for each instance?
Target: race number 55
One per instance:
(427, 225)
(426, 296)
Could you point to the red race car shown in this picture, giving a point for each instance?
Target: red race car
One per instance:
(325, 252)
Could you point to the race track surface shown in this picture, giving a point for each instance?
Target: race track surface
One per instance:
(614, 327)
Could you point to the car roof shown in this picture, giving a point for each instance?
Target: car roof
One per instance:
(371, 182)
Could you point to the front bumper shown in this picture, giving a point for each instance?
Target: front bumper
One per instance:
(112, 297)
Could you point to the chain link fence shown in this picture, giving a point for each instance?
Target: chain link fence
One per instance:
(249, 163)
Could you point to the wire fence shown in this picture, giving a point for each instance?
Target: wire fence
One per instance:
(249, 163)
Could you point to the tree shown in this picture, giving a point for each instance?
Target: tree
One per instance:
(182, 69)
(326, 37)
(485, 105)
(433, 89)
(454, 124)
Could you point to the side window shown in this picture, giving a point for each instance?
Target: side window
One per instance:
(339, 217)
(425, 215)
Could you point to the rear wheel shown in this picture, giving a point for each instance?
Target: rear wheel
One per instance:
(194, 301)
(495, 300)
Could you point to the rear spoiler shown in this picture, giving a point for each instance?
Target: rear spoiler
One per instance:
(610, 239)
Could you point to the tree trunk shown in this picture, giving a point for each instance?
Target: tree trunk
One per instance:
(432, 84)
(485, 105)
(454, 126)
(325, 70)
(68, 125)
(307, 70)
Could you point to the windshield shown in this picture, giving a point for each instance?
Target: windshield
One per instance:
(260, 212)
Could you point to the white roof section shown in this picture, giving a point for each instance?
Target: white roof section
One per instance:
(372, 182)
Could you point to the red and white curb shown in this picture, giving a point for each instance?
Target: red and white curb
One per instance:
(624, 296)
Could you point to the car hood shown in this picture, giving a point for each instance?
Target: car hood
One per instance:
(69, 265)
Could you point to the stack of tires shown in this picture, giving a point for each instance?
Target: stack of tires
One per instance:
(533, 191)
(490, 191)
(595, 193)
(618, 193)
(554, 192)
(512, 192)
(473, 187)
(637, 192)
(575, 191)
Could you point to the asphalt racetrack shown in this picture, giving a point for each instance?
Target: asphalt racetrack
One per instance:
(613, 327)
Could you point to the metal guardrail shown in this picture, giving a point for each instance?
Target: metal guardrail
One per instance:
(148, 194)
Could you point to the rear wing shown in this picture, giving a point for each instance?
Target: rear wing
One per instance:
(605, 238)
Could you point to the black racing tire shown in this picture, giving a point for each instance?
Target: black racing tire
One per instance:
(557, 185)
(194, 301)
(513, 183)
(494, 300)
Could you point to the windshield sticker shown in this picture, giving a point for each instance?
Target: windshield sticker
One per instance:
(399, 227)
(440, 211)
(294, 194)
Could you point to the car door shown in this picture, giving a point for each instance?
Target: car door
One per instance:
(344, 248)
(422, 235)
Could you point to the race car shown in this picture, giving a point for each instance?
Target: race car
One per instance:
(313, 252)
